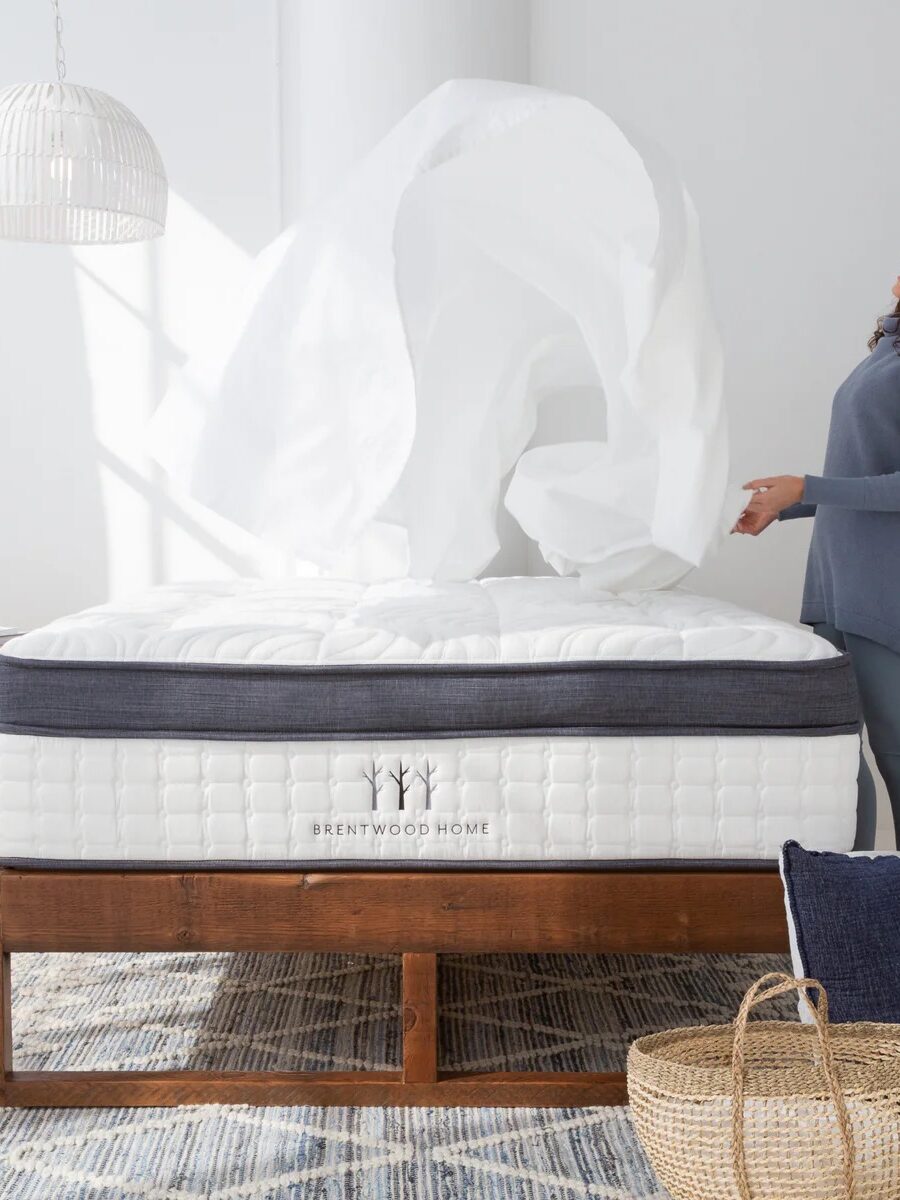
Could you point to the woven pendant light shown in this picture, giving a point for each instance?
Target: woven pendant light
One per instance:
(76, 166)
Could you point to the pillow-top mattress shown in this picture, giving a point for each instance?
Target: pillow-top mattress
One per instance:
(503, 721)
(319, 659)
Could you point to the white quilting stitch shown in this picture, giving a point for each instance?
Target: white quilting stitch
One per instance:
(302, 621)
(552, 799)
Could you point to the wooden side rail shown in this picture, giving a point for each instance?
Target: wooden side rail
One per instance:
(483, 912)
(420, 915)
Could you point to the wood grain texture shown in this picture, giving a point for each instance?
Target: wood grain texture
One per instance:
(417, 914)
(151, 1089)
(420, 1018)
(637, 912)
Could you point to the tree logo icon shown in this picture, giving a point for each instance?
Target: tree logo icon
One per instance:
(405, 786)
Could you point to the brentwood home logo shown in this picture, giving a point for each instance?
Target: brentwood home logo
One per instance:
(403, 788)
(415, 795)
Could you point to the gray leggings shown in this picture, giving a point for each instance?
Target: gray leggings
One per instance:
(877, 671)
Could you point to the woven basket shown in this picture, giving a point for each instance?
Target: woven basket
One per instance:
(771, 1110)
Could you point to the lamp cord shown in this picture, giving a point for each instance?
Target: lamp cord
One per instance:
(60, 49)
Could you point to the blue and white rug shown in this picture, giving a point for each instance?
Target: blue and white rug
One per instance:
(313, 1012)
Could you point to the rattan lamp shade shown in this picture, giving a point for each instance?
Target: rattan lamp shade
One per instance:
(76, 166)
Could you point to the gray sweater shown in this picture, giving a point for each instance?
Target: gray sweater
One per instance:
(853, 571)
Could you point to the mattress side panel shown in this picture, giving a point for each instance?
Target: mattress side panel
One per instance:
(184, 700)
(550, 800)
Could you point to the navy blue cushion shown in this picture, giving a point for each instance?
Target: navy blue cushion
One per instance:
(845, 914)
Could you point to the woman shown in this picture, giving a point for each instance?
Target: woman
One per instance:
(852, 591)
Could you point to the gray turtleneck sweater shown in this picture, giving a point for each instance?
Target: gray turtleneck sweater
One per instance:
(853, 571)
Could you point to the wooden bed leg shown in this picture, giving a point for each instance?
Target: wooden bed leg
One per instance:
(420, 1018)
(5, 1022)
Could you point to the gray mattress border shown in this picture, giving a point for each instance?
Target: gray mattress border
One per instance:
(256, 702)
(425, 866)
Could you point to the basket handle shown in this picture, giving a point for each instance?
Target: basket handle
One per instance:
(767, 988)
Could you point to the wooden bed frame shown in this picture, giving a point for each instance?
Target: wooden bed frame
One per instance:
(417, 914)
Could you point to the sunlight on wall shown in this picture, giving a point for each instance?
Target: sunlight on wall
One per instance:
(143, 308)
(112, 297)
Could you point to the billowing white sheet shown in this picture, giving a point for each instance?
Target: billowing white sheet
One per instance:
(502, 245)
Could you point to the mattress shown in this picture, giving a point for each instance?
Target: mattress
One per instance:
(507, 722)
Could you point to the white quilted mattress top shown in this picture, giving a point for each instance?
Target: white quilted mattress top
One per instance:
(516, 620)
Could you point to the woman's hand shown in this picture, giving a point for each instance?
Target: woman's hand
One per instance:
(753, 522)
(770, 497)
(775, 494)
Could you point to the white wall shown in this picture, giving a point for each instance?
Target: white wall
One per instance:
(88, 337)
(353, 68)
(780, 118)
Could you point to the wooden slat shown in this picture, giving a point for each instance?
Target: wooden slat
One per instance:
(395, 912)
(142, 1089)
(420, 1018)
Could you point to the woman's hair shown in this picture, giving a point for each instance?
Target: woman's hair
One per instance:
(879, 330)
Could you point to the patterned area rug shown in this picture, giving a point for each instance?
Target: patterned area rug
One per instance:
(310, 1012)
